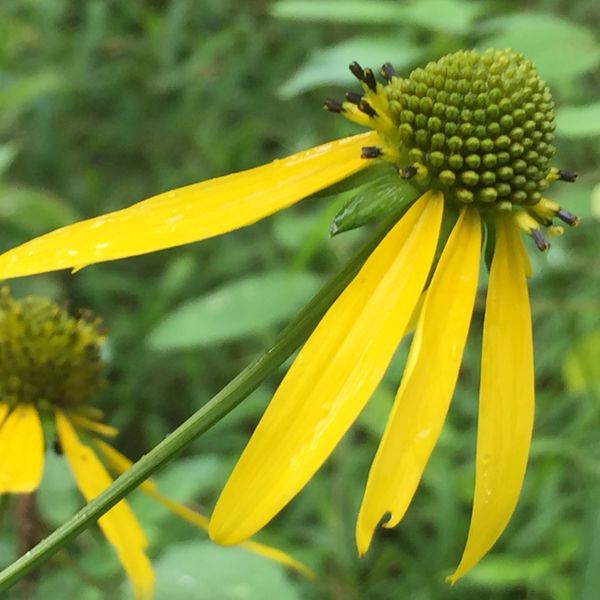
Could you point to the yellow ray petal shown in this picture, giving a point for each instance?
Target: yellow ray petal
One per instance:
(332, 378)
(432, 368)
(119, 524)
(84, 422)
(21, 450)
(120, 463)
(191, 213)
(506, 398)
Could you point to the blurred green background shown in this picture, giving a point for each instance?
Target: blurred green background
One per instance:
(103, 103)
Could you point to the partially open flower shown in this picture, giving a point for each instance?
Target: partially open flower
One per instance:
(50, 366)
(471, 135)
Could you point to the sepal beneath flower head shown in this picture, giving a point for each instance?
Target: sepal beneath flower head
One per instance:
(386, 195)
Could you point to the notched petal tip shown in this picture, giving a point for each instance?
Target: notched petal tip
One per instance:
(366, 525)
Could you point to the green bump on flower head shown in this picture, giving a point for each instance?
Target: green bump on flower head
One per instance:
(499, 89)
(46, 355)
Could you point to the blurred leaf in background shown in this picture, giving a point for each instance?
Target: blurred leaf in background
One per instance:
(104, 103)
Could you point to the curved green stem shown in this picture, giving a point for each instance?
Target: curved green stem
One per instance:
(227, 399)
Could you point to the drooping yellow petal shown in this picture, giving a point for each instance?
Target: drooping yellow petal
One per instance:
(428, 382)
(120, 463)
(84, 422)
(21, 450)
(119, 524)
(332, 378)
(506, 398)
(191, 213)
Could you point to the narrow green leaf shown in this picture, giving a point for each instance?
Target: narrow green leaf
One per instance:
(329, 66)
(33, 211)
(559, 49)
(452, 16)
(578, 121)
(349, 11)
(234, 310)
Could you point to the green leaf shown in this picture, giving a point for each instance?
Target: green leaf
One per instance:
(559, 49)
(203, 571)
(578, 121)
(8, 153)
(385, 195)
(581, 368)
(452, 16)
(33, 211)
(340, 12)
(498, 571)
(329, 66)
(235, 310)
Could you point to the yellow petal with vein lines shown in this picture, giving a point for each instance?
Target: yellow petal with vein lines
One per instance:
(428, 382)
(120, 463)
(119, 524)
(191, 213)
(332, 378)
(21, 450)
(506, 398)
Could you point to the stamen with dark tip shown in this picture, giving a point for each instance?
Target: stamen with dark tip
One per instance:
(332, 105)
(369, 79)
(357, 71)
(365, 107)
(353, 97)
(540, 240)
(387, 71)
(371, 152)
(566, 175)
(408, 172)
(567, 217)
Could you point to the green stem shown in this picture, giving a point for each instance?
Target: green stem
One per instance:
(288, 341)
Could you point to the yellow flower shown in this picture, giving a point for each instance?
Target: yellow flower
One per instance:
(472, 133)
(49, 367)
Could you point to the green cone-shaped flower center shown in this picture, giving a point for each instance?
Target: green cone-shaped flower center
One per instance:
(47, 356)
(480, 123)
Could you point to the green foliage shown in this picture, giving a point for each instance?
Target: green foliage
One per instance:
(105, 103)
(199, 571)
(236, 310)
(579, 121)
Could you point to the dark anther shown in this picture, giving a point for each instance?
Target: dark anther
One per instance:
(367, 108)
(369, 79)
(387, 71)
(567, 217)
(540, 240)
(371, 152)
(357, 71)
(565, 175)
(353, 97)
(408, 172)
(332, 105)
